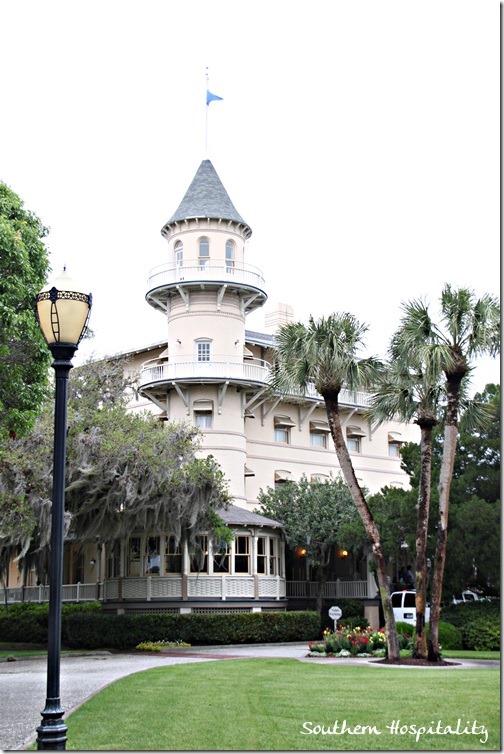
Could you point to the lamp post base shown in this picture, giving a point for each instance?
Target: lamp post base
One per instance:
(52, 732)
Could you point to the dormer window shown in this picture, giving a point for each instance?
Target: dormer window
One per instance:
(204, 251)
(230, 255)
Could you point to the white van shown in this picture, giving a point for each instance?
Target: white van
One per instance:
(404, 606)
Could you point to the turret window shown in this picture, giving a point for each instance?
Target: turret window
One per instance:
(242, 554)
(203, 413)
(179, 253)
(230, 255)
(204, 251)
(203, 350)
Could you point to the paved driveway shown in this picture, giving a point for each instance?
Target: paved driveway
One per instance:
(23, 687)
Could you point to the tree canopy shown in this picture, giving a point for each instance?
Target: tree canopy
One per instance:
(313, 515)
(24, 358)
(473, 550)
(125, 472)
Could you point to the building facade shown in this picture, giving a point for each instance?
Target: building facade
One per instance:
(213, 372)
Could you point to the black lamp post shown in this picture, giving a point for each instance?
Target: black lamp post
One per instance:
(63, 314)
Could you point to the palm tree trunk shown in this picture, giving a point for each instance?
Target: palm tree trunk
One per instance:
(372, 533)
(445, 477)
(420, 649)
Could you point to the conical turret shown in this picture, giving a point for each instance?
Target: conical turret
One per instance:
(206, 198)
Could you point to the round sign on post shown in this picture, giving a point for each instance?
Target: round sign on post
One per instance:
(335, 613)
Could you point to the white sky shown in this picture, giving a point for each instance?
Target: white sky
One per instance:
(359, 140)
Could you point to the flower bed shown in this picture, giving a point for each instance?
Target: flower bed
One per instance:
(350, 642)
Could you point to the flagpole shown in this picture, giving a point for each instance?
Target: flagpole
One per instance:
(206, 116)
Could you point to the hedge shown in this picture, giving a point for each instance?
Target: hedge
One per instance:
(460, 615)
(28, 621)
(110, 631)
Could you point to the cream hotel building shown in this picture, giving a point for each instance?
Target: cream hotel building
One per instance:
(213, 372)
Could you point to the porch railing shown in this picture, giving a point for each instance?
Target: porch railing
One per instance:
(210, 587)
(337, 589)
(70, 593)
(220, 587)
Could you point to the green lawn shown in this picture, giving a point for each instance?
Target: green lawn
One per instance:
(276, 704)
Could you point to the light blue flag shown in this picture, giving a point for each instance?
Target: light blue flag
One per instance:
(210, 97)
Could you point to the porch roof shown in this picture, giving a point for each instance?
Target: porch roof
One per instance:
(236, 515)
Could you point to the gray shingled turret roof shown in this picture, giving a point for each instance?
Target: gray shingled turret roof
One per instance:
(207, 197)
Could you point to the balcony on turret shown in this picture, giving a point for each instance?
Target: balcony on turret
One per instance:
(220, 368)
(199, 274)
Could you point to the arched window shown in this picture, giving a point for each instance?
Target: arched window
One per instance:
(179, 253)
(230, 255)
(204, 251)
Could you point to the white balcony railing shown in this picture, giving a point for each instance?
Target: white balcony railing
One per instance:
(225, 367)
(192, 270)
(221, 367)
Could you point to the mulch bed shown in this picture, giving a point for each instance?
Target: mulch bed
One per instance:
(415, 661)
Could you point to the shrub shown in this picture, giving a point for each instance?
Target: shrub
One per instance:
(482, 634)
(406, 629)
(158, 646)
(449, 636)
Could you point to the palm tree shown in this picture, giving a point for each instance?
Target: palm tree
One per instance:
(323, 354)
(468, 328)
(410, 391)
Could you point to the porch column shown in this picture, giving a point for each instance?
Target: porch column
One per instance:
(253, 555)
(185, 569)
